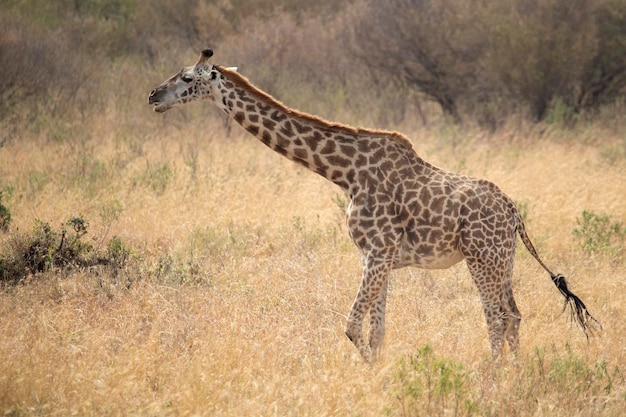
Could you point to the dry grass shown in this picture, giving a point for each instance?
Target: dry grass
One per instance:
(244, 274)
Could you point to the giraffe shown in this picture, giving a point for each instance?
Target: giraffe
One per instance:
(403, 211)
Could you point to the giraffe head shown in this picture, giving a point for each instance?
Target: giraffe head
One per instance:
(189, 84)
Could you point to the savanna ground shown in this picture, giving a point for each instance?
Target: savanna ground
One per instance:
(166, 265)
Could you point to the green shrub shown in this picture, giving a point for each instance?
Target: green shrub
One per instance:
(43, 249)
(429, 385)
(157, 177)
(5, 216)
(559, 114)
(46, 248)
(568, 374)
(117, 254)
(600, 234)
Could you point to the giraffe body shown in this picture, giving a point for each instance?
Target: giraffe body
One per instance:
(403, 211)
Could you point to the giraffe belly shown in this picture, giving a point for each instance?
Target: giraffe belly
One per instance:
(427, 256)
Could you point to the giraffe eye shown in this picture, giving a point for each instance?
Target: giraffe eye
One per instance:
(213, 76)
(187, 79)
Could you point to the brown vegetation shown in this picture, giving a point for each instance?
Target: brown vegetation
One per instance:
(486, 60)
(171, 265)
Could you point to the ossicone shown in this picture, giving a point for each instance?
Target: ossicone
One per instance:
(205, 55)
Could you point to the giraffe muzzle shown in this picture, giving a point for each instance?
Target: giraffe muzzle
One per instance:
(155, 100)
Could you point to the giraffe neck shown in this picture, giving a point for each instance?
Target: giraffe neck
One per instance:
(333, 151)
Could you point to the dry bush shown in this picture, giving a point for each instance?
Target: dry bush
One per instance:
(433, 46)
(47, 248)
(539, 51)
(487, 61)
(478, 61)
(36, 68)
(604, 77)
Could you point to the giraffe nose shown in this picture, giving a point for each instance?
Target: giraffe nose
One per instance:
(152, 97)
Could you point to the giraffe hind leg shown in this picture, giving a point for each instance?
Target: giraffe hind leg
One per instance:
(495, 326)
(512, 320)
(490, 289)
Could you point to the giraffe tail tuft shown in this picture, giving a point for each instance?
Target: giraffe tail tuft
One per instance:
(577, 308)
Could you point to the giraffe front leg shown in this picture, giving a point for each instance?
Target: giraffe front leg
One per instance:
(354, 328)
(377, 321)
(370, 298)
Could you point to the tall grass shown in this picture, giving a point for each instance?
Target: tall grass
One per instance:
(239, 274)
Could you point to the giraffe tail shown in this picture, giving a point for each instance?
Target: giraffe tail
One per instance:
(578, 310)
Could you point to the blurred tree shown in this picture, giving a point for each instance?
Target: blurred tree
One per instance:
(604, 77)
(477, 59)
(486, 59)
(433, 45)
(34, 66)
(539, 49)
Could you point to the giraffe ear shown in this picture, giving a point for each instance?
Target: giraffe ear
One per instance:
(234, 69)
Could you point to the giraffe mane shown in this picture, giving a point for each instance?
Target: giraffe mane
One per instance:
(243, 82)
